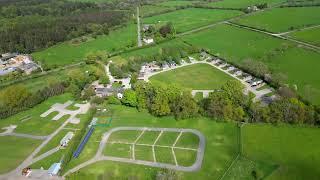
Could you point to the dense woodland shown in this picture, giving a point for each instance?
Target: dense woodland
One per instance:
(27, 26)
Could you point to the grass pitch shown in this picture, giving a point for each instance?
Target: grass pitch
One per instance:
(208, 77)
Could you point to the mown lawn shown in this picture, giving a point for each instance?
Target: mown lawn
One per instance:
(67, 53)
(221, 147)
(311, 36)
(14, 150)
(294, 149)
(298, 65)
(30, 122)
(242, 3)
(197, 76)
(188, 19)
(283, 19)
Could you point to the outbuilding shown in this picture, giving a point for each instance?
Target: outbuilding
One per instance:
(54, 169)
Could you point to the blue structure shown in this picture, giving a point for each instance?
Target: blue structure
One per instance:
(83, 142)
(54, 169)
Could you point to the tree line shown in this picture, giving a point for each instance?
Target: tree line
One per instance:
(40, 24)
(227, 104)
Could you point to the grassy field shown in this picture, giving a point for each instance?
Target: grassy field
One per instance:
(221, 139)
(294, 149)
(177, 3)
(176, 44)
(208, 77)
(283, 19)
(148, 10)
(242, 3)
(14, 150)
(188, 19)
(311, 36)
(30, 122)
(237, 45)
(67, 53)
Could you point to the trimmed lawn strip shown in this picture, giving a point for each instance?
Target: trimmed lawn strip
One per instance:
(124, 136)
(118, 150)
(143, 153)
(188, 140)
(167, 138)
(48, 161)
(148, 137)
(164, 155)
(185, 157)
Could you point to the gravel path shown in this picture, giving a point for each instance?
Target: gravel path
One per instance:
(139, 28)
(25, 136)
(100, 157)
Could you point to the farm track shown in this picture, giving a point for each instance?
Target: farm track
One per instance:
(139, 28)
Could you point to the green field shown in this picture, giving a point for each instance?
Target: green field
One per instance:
(311, 36)
(242, 3)
(30, 122)
(148, 51)
(236, 45)
(283, 19)
(208, 77)
(14, 150)
(177, 3)
(188, 19)
(67, 53)
(294, 149)
(221, 139)
(148, 10)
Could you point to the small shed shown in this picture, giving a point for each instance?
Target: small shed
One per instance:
(54, 169)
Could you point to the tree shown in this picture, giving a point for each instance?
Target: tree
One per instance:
(134, 78)
(160, 102)
(233, 90)
(14, 96)
(129, 98)
(185, 106)
(104, 80)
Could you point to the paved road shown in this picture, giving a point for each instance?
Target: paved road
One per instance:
(139, 28)
(307, 45)
(100, 157)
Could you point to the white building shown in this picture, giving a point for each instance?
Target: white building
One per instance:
(65, 140)
(148, 40)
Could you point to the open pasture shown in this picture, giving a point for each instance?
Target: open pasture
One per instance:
(283, 19)
(178, 3)
(236, 45)
(67, 53)
(294, 149)
(242, 3)
(149, 10)
(311, 35)
(207, 77)
(188, 19)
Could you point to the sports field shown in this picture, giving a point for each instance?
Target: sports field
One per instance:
(283, 146)
(30, 122)
(221, 139)
(188, 19)
(67, 53)
(14, 150)
(237, 45)
(208, 77)
(242, 3)
(311, 36)
(283, 19)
